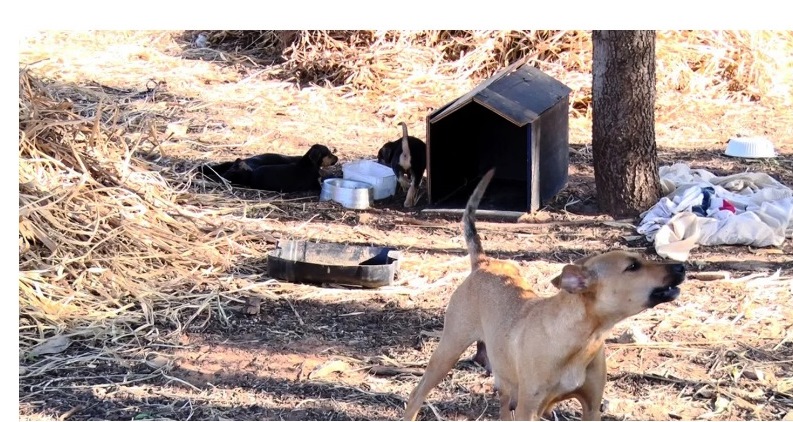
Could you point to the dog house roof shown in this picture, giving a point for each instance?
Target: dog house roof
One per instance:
(519, 93)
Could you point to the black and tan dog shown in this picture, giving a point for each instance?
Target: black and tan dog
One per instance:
(407, 157)
(543, 350)
(215, 171)
(298, 176)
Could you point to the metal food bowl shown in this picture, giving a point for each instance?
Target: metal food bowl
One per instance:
(349, 193)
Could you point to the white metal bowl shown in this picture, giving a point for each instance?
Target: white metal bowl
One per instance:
(349, 193)
(750, 148)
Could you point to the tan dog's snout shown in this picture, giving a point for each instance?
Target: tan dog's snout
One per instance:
(676, 274)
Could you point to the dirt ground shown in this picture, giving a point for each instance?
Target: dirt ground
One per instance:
(722, 351)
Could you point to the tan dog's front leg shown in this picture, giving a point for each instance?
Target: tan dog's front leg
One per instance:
(591, 393)
(526, 409)
(506, 397)
(531, 399)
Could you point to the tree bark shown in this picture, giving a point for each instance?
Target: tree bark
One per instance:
(623, 121)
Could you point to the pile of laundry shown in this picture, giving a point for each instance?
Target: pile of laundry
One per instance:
(700, 208)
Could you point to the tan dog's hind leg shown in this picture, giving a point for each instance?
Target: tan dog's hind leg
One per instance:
(459, 331)
(442, 361)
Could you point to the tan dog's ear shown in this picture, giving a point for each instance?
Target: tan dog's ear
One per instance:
(573, 279)
(581, 261)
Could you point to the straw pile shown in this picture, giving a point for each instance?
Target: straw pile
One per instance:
(112, 253)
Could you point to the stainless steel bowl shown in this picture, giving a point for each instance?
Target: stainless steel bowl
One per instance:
(349, 193)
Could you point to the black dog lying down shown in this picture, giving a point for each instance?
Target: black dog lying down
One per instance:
(275, 172)
(215, 171)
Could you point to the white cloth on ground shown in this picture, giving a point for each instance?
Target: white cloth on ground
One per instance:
(762, 216)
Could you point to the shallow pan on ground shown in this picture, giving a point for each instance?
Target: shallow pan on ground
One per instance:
(311, 262)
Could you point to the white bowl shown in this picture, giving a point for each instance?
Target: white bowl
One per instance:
(381, 177)
(349, 193)
(750, 148)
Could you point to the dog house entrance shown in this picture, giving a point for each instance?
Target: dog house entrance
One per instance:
(457, 167)
(500, 196)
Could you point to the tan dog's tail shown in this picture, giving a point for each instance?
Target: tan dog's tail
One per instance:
(472, 240)
(404, 158)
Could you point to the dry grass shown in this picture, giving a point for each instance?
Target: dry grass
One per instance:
(122, 254)
(104, 235)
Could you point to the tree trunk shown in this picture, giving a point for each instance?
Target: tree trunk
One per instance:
(623, 121)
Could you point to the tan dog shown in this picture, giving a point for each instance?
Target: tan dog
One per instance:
(543, 350)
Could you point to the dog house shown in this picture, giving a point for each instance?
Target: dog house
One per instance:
(516, 121)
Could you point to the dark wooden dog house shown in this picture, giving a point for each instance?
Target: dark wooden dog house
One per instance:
(517, 121)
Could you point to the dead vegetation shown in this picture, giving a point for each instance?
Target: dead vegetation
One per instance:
(143, 291)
